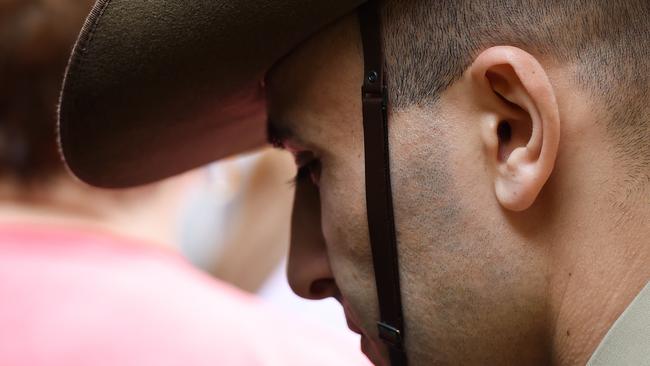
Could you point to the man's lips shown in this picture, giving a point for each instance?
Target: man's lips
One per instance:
(366, 346)
(352, 324)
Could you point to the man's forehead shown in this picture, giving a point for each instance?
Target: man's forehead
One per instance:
(319, 77)
(340, 36)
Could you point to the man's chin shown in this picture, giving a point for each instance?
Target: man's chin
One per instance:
(374, 352)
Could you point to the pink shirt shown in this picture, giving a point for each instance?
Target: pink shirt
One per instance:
(87, 298)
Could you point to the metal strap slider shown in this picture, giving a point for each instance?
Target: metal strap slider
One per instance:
(390, 334)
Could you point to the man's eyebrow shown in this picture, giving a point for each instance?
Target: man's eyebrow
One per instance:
(277, 133)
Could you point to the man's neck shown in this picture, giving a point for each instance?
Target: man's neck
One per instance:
(597, 272)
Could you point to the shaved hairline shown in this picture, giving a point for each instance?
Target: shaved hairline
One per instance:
(429, 44)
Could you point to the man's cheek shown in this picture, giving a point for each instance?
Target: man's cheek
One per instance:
(345, 230)
(351, 259)
(346, 233)
(345, 225)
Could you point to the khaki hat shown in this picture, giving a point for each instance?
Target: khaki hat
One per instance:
(155, 88)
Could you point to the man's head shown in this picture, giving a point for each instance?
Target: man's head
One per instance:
(519, 145)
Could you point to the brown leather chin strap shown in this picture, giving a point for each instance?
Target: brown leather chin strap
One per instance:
(379, 198)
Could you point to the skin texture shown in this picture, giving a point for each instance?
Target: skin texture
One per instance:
(511, 246)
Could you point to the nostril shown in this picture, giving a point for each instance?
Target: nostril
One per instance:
(322, 288)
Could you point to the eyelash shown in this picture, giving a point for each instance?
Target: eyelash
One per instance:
(304, 172)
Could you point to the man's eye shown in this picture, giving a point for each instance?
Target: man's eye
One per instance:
(310, 170)
(303, 173)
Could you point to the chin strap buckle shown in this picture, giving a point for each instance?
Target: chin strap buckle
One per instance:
(390, 334)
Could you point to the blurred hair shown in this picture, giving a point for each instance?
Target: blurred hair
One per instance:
(36, 38)
(429, 44)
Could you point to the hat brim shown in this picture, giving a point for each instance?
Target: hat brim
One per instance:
(155, 88)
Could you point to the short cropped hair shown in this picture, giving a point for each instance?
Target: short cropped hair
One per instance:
(36, 37)
(429, 44)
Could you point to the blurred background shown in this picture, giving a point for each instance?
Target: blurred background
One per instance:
(230, 219)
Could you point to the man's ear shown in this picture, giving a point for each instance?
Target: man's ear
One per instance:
(522, 126)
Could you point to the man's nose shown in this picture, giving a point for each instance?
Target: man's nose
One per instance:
(309, 272)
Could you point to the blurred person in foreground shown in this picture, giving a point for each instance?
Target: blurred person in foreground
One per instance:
(91, 277)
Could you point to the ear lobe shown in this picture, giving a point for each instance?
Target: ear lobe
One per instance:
(523, 129)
